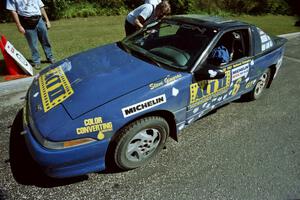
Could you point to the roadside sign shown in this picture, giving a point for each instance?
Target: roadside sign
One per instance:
(19, 58)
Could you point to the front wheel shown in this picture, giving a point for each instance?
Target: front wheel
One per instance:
(140, 141)
(260, 86)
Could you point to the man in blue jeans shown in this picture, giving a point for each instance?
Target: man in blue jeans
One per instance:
(27, 16)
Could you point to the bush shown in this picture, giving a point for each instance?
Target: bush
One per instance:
(4, 15)
(179, 6)
(79, 10)
(55, 8)
(240, 6)
(278, 7)
(132, 4)
(108, 3)
(83, 8)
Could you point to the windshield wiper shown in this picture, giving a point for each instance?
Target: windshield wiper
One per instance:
(144, 55)
(153, 60)
(124, 47)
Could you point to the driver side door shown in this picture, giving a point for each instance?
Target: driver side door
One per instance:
(209, 93)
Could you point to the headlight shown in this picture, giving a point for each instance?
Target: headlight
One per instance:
(27, 121)
(66, 144)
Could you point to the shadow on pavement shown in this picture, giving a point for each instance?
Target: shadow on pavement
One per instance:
(24, 169)
(3, 194)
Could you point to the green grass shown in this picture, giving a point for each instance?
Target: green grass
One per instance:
(69, 36)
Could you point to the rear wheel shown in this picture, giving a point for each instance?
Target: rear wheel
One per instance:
(260, 86)
(140, 141)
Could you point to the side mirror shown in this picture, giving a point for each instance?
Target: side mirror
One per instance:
(209, 73)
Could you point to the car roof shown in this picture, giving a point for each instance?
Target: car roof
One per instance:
(208, 21)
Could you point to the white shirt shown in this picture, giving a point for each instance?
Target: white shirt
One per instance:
(145, 11)
(25, 8)
(153, 2)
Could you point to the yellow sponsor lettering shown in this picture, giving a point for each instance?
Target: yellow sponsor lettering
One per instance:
(156, 85)
(236, 86)
(171, 79)
(92, 121)
(166, 80)
(93, 125)
(246, 61)
(203, 91)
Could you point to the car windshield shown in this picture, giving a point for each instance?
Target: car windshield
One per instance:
(169, 43)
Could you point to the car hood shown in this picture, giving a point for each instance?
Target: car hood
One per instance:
(103, 74)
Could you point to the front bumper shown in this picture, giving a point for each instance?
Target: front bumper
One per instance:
(69, 162)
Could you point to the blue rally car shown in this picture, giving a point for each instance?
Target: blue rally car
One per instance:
(117, 104)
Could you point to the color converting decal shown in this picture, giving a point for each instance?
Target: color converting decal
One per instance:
(96, 124)
(144, 105)
(54, 88)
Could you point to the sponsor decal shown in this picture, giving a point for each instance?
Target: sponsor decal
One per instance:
(250, 84)
(95, 124)
(144, 105)
(212, 73)
(181, 127)
(204, 91)
(236, 87)
(175, 92)
(239, 72)
(54, 88)
(278, 65)
(36, 94)
(166, 81)
(249, 61)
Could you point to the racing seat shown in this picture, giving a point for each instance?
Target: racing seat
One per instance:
(237, 48)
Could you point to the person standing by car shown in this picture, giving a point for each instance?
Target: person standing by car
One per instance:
(27, 15)
(145, 14)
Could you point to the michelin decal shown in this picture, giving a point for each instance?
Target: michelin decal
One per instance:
(144, 105)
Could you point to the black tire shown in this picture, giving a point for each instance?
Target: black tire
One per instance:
(140, 141)
(260, 86)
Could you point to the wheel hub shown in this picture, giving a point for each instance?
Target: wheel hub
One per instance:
(261, 84)
(143, 144)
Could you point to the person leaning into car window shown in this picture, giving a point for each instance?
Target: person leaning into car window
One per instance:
(145, 14)
(27, 16)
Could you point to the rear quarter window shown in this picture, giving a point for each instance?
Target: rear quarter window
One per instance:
(266, 41)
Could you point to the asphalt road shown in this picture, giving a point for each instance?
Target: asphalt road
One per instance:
(246, 150)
